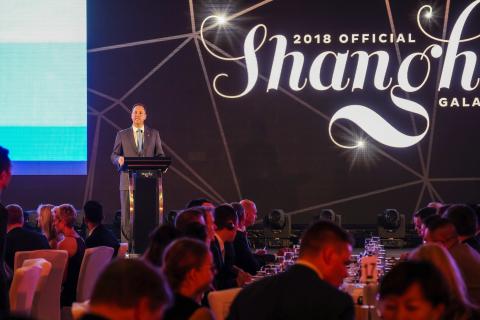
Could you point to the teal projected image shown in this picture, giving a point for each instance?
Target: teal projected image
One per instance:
(43, 78)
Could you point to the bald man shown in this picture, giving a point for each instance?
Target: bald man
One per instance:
(443, 232)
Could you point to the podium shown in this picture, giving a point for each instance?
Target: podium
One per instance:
(145, 197)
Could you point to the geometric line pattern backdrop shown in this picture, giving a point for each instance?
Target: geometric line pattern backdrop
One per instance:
(270, 147)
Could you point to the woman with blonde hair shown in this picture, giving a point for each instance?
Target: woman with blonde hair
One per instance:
(45, 220)
(460, 307)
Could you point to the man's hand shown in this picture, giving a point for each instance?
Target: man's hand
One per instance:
(121, 160)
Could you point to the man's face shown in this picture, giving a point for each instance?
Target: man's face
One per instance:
(5, 177)
(336, 257)
(417, 222)
(250, 214)
(210, 223)
(138, 116)
(230, 231)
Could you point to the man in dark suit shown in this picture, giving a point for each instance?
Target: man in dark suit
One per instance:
(136, 141)
(20, 238)
(228, 276)
(308, 289)
(5, 175)
(98, 233)
(244, 257)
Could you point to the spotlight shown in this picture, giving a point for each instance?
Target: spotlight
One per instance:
(277, 227)
(428, 15)
(391, 226)
(329, 215)
(361, 143)
(221, 20)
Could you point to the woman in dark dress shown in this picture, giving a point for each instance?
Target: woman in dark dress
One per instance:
(64, 219)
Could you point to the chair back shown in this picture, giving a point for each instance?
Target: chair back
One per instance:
(93, 263)
(220, 302)
(22, 290)
(122, 250)
(46, 302)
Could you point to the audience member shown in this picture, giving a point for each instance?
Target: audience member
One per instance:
(189, 269)
(244, 258)
(20, 238)
(194, 214)
(443, 232)
(250, 212)
(227, 276)
(308, 289)
(208, 215)
(98, 233)
(459, 306)
(419, 219)
(45, 220)
(200, 202)
(413, 290)
(195, 230)
(465, 221)
(160, 238)
(64, 219)
(5, 175)
(129, 289)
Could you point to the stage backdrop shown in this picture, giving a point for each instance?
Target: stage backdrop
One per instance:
(356, 106)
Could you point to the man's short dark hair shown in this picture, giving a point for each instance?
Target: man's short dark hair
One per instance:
(15, 214)
(439, 223)
(125, 281)
(424, 213)
(160, 238)
(320, 233)
(195, 230)
(180, 257)
(431, 220)
(197, 202)
(139, 104)
(93, 211)
(463, 218)
(187, 216)
(5, 163)
(407, 273)
(224, 216)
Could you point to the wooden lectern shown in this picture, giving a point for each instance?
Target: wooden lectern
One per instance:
(146, 198)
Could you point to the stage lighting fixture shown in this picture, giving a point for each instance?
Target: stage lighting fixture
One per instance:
(361, 143)
(221, 20)
(277, 227)
(329, 215)
(429, 15)
(391, 225)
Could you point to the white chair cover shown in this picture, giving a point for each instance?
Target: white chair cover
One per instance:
(94, 261)
(122, 250)
(46, 302)
(220, 302)
(22, 290)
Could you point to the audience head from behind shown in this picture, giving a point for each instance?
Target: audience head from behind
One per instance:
(65, 216)
(93, 214)
(240, 212)
(130, 289)
(15, 218)
(226, 221)
(414, 290)
(419, 219)
(45, 220)
(200, 202)
(443, 261)
(187, 216)
(160, 238)
(464, 219)
(326, 247)
(5, 168)
(250, 212)
(189, 268)
(442, 231)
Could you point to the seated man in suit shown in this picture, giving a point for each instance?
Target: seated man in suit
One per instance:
(98, 234)
(228, 276)
(20, 238)
(465, 221)
(308, 289)
(244, 258)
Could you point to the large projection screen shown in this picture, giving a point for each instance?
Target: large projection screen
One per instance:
(43, 75)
